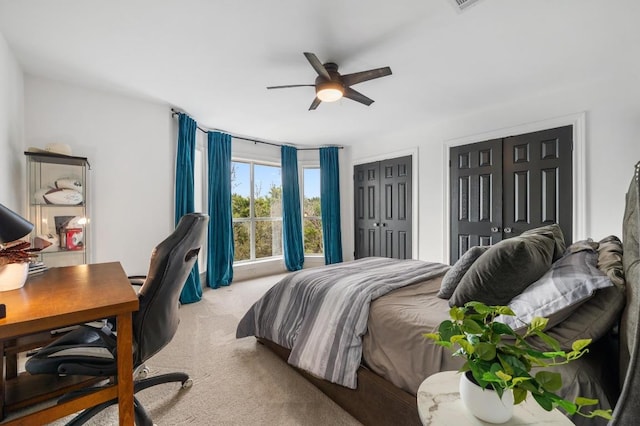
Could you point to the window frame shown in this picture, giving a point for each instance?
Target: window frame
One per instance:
(252, 219)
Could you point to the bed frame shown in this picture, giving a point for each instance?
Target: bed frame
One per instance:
(378, 402)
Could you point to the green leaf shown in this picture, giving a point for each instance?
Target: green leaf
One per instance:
(466, 346)
(538, 323)
(432, 336)
(567, 406)
(601, 413)
(504, 310)
(579, 345)
(503, 376)
(581, 401)
(480, 308)
(456, 313)
(550, 381)
(471, 327)
(500, 328)
(544, 401)
(519, 395)
(447, 329)
(485, 351)
(550, 341)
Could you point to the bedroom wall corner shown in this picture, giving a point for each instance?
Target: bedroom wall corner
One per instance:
(12, 162)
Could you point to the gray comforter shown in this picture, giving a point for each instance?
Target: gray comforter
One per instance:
(321, 313)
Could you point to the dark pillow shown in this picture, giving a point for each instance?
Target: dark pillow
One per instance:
(570, 282)
(456, 272)
(591, 320)
(610, 260)
(587, 244)
(504, 270)
(556, 233)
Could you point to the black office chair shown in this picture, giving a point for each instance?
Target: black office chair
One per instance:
(91, 351)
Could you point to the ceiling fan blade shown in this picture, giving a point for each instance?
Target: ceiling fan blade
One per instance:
(357, 96)
(359, 77)
(317, 65)
(315, 103)
(291, 85)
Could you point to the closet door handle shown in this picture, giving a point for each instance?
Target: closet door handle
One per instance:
(507, 230)
(495, 229)
(384, 224)
(375, 225)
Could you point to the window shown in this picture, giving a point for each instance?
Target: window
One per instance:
(256, 200)
(311, 215)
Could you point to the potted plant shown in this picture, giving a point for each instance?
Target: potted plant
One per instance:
(14, 264)
(499, 359)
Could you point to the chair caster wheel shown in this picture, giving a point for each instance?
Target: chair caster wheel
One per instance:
(141, 373)
(187, 384)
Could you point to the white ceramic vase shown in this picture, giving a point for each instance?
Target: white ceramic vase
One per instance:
(484, 403)
(13, 275)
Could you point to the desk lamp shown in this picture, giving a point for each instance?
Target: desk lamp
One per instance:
(12, 228)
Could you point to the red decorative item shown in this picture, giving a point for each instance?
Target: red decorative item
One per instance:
(74, 239)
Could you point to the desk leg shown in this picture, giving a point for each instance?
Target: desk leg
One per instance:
(1, 380)
(125, 369)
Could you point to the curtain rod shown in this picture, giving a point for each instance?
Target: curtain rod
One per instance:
(175, 112)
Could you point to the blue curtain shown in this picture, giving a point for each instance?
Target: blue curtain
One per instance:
(291, 217)
(186, 151)
(330, 205)
(221, 249)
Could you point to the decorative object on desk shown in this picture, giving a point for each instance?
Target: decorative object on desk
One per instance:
(45, 242)
(74, 238)
(499, 358)
(12, 226)
(36, 267)
(14, 254)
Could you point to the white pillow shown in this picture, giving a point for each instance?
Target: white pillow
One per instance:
(571, 281)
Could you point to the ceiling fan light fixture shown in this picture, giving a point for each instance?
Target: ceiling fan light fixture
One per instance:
(330, 91)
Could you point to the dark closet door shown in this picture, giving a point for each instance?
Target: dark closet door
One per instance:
(538, 183)
(502, 187)
(383, 208)
(367, 209)
(476, 195)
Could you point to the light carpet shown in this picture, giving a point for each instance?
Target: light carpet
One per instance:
(235, 381)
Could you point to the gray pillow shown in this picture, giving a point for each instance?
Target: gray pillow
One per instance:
(610, 260)
(456, 272)
(504, 270)
(556, 233)
(571, 281)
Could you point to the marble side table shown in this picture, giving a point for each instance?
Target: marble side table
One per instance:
(439, 404)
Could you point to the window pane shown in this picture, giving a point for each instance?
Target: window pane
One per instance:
(240, 189)
(312, 221)
(267, 191)
(313, 236)
(242, 243)
(268, 238)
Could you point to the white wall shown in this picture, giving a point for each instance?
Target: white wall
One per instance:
(612, 107)
(12, 160)
(130, 144)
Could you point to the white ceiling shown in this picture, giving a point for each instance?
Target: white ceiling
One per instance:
(214, 58)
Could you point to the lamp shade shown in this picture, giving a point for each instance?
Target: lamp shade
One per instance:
(12, 225)
(329, 91)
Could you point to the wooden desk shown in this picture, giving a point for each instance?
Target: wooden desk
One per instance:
(73, 295)
(439, 404)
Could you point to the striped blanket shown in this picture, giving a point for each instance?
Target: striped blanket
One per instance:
(321, 313)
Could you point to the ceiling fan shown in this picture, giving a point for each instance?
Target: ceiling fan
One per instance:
(331, 86)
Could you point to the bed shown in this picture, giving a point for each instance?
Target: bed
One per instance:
(354, 329)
